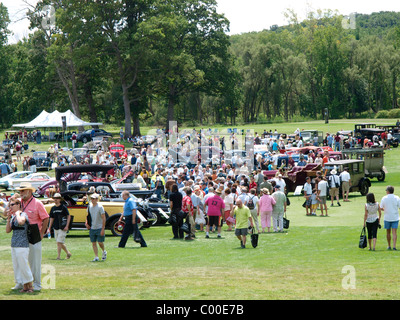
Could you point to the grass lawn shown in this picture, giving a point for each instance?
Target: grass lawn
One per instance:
(310, 261)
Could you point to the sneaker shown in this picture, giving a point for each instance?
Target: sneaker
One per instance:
(104, 256)
(339, 204)
(207, 236)
(95, 259)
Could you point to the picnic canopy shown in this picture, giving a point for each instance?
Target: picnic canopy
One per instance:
(54, 120)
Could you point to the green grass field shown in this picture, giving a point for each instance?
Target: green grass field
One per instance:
(308, 262)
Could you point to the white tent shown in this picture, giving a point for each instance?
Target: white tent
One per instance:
(54, 120)
(41, 118)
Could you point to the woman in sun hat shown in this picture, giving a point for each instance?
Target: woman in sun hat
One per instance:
(17, 221)
(37, 214)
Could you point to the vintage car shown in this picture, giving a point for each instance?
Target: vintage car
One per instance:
(373, 160)
(297, 175)
(98, 142)
(308, 136)
(42, 160)
(80, 154)
(144, 142)
(77, 207)
(118, 151)
(82, 177)
(36, 179)
(88, 135)
(356, 168)
(5, 181)
(67, 174)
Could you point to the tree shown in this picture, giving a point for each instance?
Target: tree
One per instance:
(190, 47)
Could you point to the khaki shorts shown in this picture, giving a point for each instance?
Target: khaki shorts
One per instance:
(60, 235)
(322, 199)
(333, 192)
(345, 186)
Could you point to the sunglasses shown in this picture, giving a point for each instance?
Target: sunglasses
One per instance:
(13, 204)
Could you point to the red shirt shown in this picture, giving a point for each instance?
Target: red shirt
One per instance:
(187, 205)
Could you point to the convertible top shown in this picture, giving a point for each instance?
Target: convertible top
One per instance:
(81, 168)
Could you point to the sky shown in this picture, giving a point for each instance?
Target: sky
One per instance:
(244, 15)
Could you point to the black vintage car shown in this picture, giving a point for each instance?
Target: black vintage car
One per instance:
(87, 135)
(42, 160)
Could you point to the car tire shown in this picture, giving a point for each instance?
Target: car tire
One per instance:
(364, 188)
(117, 227)
(84, 140)
(382, 176)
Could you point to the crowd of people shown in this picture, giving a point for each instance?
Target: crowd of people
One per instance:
(202, 197)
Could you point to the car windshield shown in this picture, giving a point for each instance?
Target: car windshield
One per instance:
(79, 151)
(41, 154)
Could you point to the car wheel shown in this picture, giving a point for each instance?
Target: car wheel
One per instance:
(117, 227)
(382, 176)
(364, 188)
(84, 140)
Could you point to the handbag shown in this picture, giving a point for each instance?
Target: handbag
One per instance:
(286, 222)
(254, 238)
(231, 220)
(185, 227)
(33, 233)
(363, 239)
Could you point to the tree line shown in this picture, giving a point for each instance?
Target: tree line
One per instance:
(149, 61)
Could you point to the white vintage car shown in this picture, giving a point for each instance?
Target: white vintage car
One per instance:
(5, 181)
(35, 179)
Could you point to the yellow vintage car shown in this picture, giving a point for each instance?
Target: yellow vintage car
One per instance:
(77, 208)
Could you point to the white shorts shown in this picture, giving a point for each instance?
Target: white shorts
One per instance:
(60, 235)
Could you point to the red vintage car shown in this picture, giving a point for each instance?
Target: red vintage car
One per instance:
(118, 151)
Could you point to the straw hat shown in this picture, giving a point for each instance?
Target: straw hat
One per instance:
(265, 190)
(25, 186)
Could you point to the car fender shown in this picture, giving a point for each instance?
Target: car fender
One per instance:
(364, 179)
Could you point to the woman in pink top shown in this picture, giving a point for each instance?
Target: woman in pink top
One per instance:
(265, 206)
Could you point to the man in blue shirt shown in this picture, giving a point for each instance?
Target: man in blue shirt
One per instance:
(4, 169)
(131, 220)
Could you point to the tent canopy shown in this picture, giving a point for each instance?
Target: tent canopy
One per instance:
(54, 120)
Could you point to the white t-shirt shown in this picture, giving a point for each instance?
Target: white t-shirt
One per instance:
(345, 176)
(322, 185)
(391, 204)
(228, 201)
(307, 188)
(96, 212)
(281, 183)
(333, 179)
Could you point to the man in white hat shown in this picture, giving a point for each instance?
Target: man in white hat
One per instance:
(37, 214)
(334, 184)
(60, 220)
